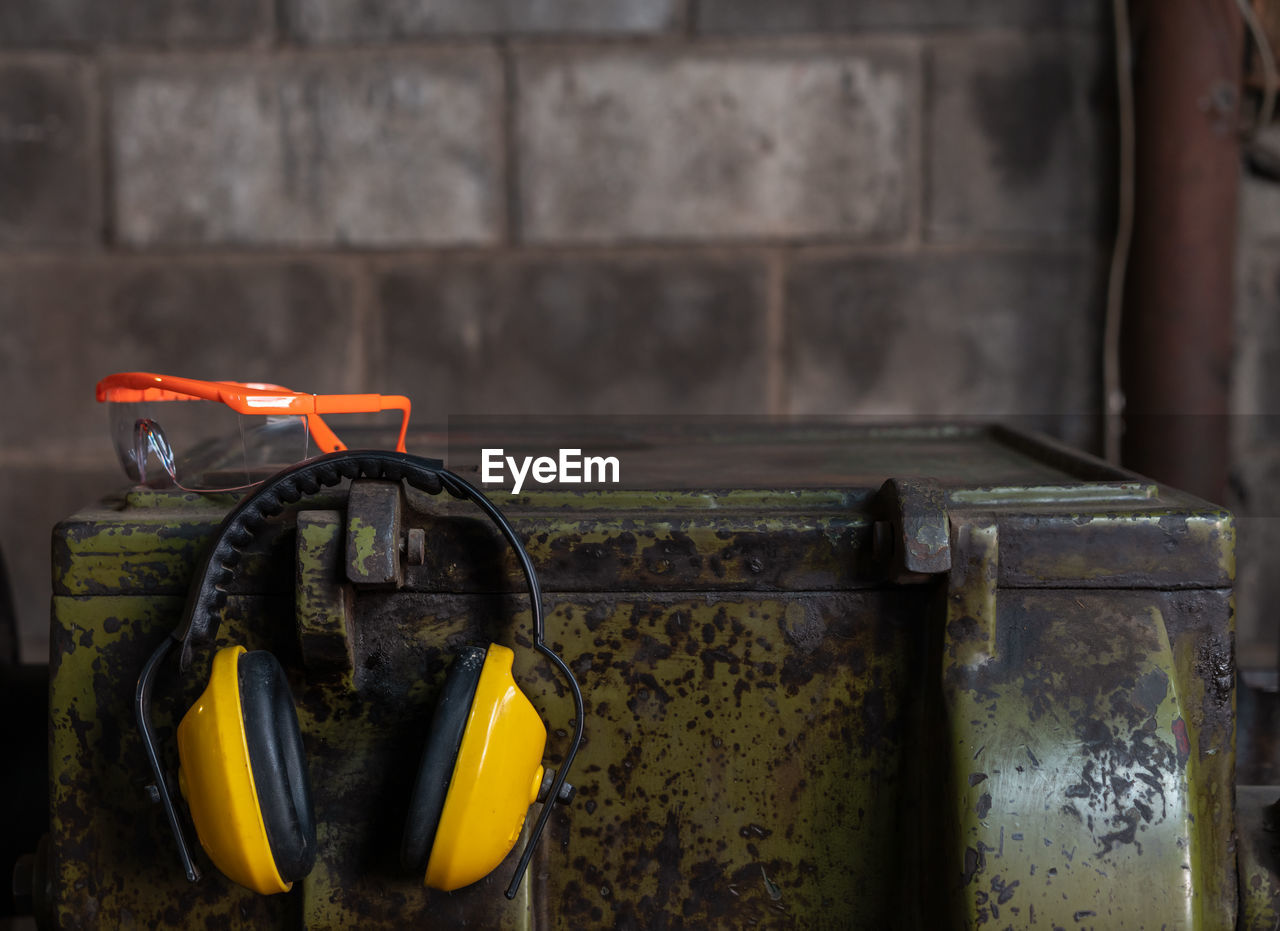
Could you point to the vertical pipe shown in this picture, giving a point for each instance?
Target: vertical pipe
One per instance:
(1177, 332)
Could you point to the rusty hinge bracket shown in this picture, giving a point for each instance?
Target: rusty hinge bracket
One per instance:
(918, 534)
(912, 534)
(378, 545)
(374, 517)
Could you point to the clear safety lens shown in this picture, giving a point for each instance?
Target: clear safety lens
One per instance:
(204, 445)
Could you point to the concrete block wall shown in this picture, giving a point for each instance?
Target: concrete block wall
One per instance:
(555, 206)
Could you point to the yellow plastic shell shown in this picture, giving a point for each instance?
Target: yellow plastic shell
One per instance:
(217, 781)
(495, 779)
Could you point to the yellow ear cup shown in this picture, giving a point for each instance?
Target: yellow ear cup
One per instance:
(496, 778)
(216, 778)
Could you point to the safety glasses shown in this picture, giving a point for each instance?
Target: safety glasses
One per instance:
(212, 436)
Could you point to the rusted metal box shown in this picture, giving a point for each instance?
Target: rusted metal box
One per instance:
(835, 676)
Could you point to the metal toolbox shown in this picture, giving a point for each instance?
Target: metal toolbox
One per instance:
(835, 676)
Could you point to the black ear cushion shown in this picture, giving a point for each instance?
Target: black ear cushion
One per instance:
(438, 758)
(279, 767)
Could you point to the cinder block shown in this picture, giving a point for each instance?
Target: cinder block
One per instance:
(1019, 138)
(67, 324)
(48, 188)
(668, 145)
(1012, 336)
(361, 149)
(350, 20)
(573, 335)
(744, 17)
(49, 22)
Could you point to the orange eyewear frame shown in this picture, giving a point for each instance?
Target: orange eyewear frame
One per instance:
(249, 398)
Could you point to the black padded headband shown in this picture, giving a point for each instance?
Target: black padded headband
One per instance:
(208, 594)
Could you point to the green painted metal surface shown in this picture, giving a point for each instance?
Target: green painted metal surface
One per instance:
(789, 723)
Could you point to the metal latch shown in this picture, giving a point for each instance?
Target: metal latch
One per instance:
(912, 533)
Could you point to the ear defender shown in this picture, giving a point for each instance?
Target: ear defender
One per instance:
(241, 764)
(244, 776)
(481, 770)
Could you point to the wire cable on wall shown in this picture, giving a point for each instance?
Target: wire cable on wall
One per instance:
(1267, 109)
(1112, 393)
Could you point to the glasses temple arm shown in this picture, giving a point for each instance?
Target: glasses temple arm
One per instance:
(396, 402)
(328, 441)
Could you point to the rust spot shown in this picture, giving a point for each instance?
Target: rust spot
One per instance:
(652, 651)
(1216, 667)
(596, 617)
(678, 554)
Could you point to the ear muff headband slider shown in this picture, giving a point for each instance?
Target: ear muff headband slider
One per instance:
(216, 572)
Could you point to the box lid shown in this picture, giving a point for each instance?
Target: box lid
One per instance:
(716, 506)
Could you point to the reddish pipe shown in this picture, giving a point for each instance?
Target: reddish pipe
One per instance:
(1177, 328)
